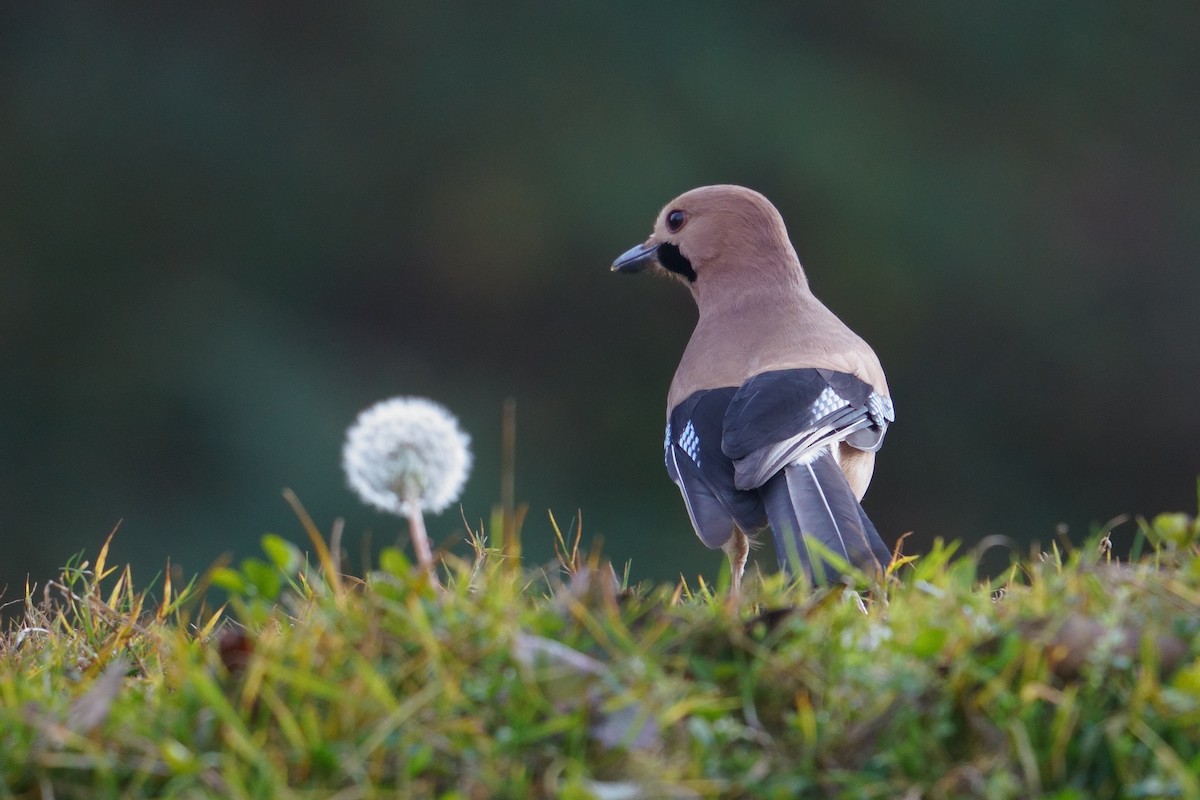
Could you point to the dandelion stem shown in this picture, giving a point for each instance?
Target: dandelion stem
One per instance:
(420, 539)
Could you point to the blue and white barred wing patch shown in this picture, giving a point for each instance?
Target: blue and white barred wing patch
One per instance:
(702, 471)
(789, 416)
(881, 413)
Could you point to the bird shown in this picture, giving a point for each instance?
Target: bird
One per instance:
(777, 408)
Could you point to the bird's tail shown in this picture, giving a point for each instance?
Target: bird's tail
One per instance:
(814, 501)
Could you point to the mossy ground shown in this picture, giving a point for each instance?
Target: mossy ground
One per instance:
(1072, 675)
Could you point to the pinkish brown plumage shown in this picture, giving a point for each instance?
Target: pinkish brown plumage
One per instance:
(809, 395)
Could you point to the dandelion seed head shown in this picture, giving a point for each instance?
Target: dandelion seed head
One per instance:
(407, 454)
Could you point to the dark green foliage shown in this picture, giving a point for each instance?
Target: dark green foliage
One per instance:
(224, 230)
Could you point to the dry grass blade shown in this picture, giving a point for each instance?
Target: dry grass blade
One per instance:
(324, 556)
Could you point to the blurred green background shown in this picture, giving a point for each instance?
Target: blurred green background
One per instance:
(226, 228)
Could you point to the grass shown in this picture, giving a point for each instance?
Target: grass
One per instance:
(1072, 675)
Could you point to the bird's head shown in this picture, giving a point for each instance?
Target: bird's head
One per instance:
(715, 237)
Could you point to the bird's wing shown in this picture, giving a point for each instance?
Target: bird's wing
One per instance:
(786, 416)
(704, 474)
(712, 522)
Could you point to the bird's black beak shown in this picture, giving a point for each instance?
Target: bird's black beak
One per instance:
(637, 259)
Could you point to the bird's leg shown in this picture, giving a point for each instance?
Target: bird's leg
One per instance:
(738, 550)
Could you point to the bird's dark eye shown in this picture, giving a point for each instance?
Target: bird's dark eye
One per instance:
(675, 220)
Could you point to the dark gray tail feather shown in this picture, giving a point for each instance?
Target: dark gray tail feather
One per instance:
(814, 501)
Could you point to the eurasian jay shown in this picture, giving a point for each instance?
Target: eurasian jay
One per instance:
(777, 408)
